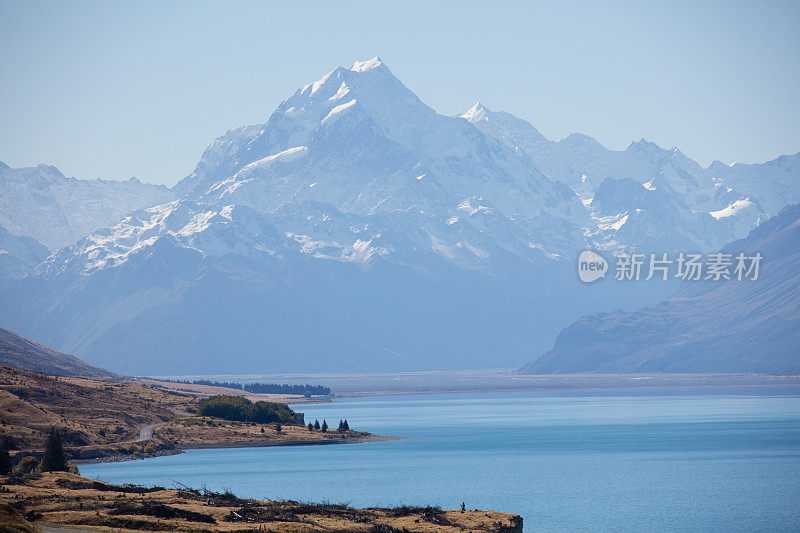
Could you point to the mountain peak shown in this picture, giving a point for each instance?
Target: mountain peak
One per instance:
(476, 112)
(369, 64)
(641, 144)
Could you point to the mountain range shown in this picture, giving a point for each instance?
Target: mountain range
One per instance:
(737, 325)
(40, 202)
(357, 229)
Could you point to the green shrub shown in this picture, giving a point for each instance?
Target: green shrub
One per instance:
(27, 465)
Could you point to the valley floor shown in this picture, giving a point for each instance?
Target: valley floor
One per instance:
(487, 380)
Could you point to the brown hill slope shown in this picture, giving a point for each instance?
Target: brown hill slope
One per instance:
(59, 499)
(130, 417)
(20, 352)
(87, 412)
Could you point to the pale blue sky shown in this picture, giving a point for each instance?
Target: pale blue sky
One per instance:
(118, 89)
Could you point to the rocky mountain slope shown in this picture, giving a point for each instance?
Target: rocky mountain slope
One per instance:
(711, 206)
(18, 352)
(707, 326)
(42, 203)
(221, 288)
(19, 255)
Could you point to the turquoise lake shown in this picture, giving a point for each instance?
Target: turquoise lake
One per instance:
(672, 459)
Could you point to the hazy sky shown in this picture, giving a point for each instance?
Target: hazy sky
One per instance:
(119, 89)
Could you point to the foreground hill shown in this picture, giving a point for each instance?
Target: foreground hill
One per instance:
(19, 352)
(68, 500)
(86, 412)
(722, 326)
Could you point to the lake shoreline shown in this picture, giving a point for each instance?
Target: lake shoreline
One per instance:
(120, 458)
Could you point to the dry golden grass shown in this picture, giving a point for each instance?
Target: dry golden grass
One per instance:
(87, 412)
(68, 500)
(100, 418)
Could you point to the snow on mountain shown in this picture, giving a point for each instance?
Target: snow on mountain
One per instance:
(222, 287)
(652, 218)
(42, 203)
(772, 185)
(19, 255)
(737, 196)
(360, 141)
(358, 229)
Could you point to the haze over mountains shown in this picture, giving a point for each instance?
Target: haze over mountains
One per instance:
(18, 352)
(739, 326)
(357, 229)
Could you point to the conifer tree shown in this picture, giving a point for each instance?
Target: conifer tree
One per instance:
(324, 425)
(316, 424)
(53, 459)
(5, 458)
(345, 425)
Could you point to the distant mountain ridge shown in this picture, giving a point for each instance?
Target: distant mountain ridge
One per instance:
(712, 206)
(709, 326)
(19, 255)
(40, 202)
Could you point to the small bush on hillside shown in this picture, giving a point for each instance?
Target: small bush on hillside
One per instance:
(27, 465)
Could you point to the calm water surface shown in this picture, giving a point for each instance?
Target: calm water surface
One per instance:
(635, 461)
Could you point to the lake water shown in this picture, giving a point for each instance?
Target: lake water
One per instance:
(702, 460)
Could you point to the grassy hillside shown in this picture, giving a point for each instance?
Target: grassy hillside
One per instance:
(68, 500)
(134, 417)
(87, 412)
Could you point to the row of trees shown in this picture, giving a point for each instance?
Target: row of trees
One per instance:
(264, 388)
(243, 410)
(53, 458)
(343, 425)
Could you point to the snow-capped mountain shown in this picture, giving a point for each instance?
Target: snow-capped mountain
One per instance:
(738, 197)
(42, 203)
(361, 142)
(771, 185)
(358, 229)
(188, 287)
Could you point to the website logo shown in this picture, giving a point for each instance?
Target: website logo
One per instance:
(591, 266)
